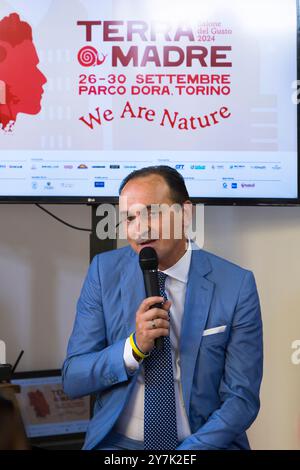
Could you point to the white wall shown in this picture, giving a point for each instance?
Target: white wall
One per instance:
(42, 266)
(266, 240)
(43, 263)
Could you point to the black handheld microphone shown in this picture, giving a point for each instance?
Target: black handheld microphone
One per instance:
(149, 262)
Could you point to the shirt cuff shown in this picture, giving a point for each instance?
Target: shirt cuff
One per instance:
(131, 363)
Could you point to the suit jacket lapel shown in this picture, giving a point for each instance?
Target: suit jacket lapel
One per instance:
(132, 289)
(198, 298)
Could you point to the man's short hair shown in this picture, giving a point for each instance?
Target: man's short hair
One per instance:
(172, 177)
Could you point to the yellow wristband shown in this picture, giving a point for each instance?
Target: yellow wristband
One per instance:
(136, 349)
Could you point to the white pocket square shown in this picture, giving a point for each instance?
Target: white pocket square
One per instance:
(213, 331)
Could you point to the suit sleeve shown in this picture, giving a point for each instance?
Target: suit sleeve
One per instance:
(240, 384)
(91, 365)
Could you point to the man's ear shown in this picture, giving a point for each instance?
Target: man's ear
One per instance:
(187, 214)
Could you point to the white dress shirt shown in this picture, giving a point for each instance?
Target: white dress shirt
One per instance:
(131, 421)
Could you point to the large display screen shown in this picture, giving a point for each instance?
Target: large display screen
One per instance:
(91, 90)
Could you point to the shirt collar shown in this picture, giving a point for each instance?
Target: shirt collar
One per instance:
(180, 270)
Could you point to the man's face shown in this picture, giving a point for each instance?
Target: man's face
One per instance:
(145, 225)
(23, 80)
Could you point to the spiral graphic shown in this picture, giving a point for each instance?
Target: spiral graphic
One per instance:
(88, 56)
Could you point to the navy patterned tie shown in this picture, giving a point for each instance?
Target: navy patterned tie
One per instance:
(160, 427)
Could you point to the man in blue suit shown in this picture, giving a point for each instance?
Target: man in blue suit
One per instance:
(210, 321)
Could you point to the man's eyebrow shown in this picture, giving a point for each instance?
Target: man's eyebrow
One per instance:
(126, 212)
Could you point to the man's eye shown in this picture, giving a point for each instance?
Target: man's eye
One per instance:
(130, 218)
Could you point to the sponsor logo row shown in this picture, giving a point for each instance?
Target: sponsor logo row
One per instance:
(48, 185)
(228, 167)
(84, 166)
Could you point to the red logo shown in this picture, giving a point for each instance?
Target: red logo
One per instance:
(38, 401)
(21, 82)
(88, 57)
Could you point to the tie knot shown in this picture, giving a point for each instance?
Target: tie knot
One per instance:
(162, 277)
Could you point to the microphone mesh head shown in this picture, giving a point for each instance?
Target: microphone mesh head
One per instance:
(148, 258)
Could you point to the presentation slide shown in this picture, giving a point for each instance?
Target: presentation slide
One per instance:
(91, 90)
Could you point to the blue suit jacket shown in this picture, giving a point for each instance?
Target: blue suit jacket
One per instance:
(220, 373)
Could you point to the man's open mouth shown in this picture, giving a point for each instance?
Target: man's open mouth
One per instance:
(147, 242)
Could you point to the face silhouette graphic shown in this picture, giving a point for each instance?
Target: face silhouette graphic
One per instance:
(21, 82)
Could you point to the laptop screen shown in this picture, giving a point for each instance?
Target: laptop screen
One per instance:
(46, 410)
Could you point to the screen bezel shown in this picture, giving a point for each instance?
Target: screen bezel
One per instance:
(211, 201)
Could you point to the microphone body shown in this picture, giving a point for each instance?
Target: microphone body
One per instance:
(149, 263)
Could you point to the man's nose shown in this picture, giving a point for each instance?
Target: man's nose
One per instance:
(142, 223)
(140, 228)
